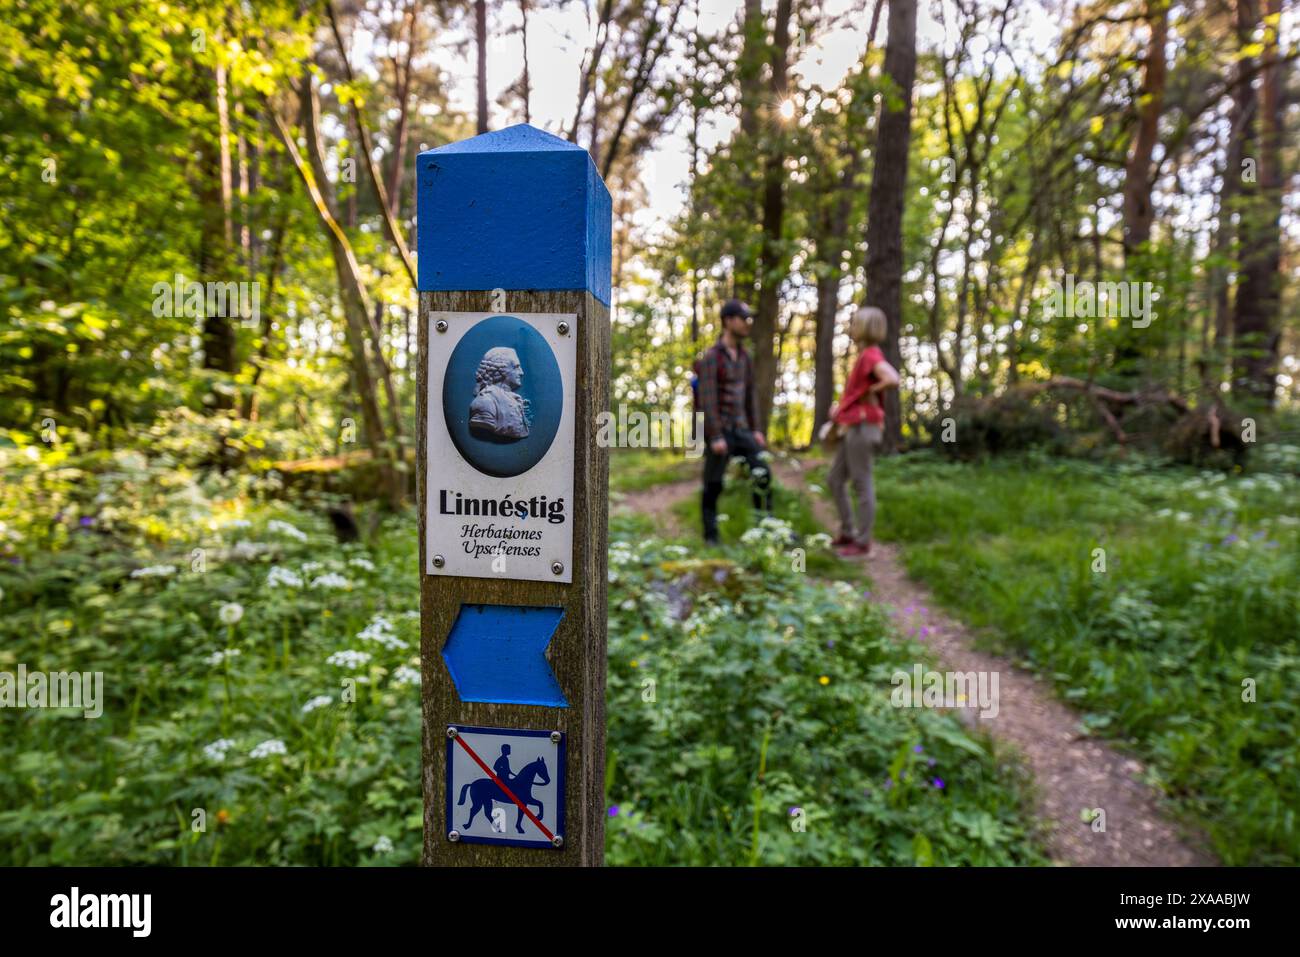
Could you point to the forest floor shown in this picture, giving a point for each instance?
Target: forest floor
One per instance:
(1072, 773)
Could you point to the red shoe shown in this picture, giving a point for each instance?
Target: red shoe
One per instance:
(854, 550)
(842, 539)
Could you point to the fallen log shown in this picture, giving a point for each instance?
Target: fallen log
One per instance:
(1113, 396)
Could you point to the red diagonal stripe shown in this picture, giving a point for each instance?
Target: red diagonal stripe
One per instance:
(501, 784)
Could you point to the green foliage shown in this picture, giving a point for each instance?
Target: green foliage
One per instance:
(1197, 598)
(990, 425)
(137, 592)
(747, 701)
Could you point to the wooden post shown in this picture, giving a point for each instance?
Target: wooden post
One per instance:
(514, 272)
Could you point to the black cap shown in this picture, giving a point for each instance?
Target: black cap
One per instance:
(734, 307)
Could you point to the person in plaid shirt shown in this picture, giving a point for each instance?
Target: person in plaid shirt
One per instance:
(727, 399)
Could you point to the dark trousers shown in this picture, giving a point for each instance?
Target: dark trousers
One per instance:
(740, 442)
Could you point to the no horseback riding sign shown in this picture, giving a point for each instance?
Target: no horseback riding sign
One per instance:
(505, 786)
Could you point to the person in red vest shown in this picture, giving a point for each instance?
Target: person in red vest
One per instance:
(860, 419)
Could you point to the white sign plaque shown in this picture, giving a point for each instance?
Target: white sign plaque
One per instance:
(500, 445)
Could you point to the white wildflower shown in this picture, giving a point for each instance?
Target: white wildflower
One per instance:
(330, 580)
(284, 528)
(348, 659)
(279, 575)
(216, 751)
(246, 549)
(154, 571)
(406, 675)
(217, 657)
(380, 631)
(231, 612)
(383, 845)
(267, 748)
(320, 701)
(365, 564)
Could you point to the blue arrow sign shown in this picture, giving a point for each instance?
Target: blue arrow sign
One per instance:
(497, 654)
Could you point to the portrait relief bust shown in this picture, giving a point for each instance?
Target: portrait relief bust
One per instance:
(498, 412)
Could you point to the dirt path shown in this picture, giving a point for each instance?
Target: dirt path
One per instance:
(1070, 772)
(658, 501)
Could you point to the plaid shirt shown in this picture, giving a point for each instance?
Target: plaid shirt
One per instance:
(727, 391)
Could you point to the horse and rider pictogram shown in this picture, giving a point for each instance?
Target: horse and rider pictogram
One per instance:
(473, 787)
(486, 791)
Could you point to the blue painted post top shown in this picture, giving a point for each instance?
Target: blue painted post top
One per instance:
(515, 209)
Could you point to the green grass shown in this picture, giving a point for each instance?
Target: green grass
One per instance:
(1198, 596)
(633, 470)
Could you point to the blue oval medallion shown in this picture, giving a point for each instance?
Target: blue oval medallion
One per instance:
(502, 396)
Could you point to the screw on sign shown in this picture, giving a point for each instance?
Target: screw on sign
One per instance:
(514, 279)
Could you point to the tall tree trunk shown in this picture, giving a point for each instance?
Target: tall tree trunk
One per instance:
(591, 66)
(223, 151)
(400, 130)
(352, 295)
(750, 67)
(885, 204)
(527, 91)
(593, 146)
(387, 216)
(828, 292)
(1138, 211)
(772, 255)
(316, 155)
(749, 71)
(1256, 317)
(830, 249)
(216, 242)
(480, 39)
(1240, 119)
(249, 408)
(696, 95)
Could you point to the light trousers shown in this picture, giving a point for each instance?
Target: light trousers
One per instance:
(853, 462)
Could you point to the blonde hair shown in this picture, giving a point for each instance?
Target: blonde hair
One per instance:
(868, 325)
